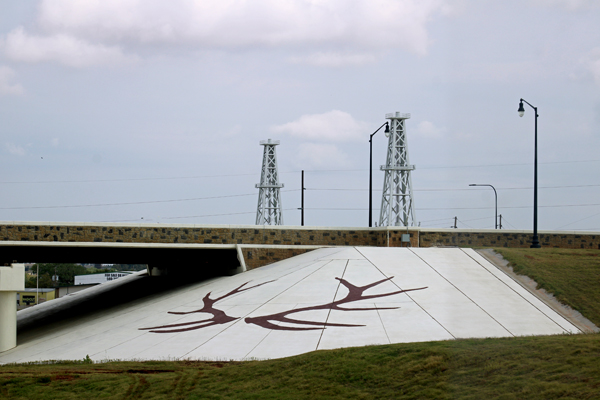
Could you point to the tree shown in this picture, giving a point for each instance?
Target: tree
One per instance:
(129, 267)
(66, 272)
(44, 282)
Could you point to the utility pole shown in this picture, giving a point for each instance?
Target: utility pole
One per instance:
(302, 201)
(500, 225)
(455, 219)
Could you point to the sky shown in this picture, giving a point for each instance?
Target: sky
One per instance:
(147, 111)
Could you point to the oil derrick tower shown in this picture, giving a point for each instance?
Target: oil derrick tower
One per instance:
(268, 211)
(397, 206)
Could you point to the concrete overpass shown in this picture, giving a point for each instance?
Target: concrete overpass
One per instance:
(324, 299)
(227, 247)
(286, 235)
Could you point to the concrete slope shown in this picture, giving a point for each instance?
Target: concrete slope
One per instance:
(324, 299)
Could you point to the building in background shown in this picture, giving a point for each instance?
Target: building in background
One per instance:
(94, 279)
(29, 297)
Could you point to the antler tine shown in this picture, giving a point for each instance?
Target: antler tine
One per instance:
(362, 288)
(239, 289)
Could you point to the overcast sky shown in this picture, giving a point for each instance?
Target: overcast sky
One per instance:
(152, 111)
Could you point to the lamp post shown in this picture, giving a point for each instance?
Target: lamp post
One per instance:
(496, 195)
(387, 133)
(535, 243)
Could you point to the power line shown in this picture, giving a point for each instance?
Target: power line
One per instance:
(461, 189)
(210, 215)
(137, 202)
(218, 215)
(579, 220)
(476, 219)
(290, 190)
(286, 172)
(509, 165)
(340, 209)
(463, 208)
(505, 221)
(464, 223)
(127, 179)
(436, 220)
(504, 208)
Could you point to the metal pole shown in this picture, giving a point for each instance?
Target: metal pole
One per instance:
(535, 242)
(371, 181)
(496, 196)
(496, 214)
(302, 202)
(371, 174)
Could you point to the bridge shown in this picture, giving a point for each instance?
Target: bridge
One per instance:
(188, 254)
(228, 247)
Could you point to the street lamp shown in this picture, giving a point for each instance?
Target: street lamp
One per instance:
(387, 133)
(495, 194)
(535, 243)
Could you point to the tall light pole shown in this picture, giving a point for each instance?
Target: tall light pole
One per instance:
(495, 194)
(387, 131)
(302, 189)
(535, 242)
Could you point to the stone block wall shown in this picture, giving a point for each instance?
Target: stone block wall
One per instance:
(382, 237)
(192, 234)
(455, 237)
(258, 257)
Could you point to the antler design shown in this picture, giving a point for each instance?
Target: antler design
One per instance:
(219, 316)
(355, 293)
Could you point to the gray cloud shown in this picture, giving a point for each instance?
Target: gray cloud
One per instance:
(332, 126)
(7, 85)
(79, 33)
(61, 48)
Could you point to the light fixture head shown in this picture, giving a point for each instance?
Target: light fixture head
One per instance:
(521, 110)
(387, 129)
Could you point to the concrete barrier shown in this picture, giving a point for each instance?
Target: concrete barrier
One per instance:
(12, 279)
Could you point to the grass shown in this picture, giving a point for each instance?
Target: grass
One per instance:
(532, 367)
(550, 367)
(573, 276)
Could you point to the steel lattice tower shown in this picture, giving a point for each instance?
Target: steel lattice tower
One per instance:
(397, 206)
(268, 211)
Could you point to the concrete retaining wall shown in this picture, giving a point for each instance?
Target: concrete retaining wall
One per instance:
(287, 235)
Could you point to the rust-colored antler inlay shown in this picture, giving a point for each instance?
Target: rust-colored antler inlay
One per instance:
(219, 316)
(355, 293)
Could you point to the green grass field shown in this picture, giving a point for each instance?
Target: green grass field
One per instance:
(548, 367)
(573, 276)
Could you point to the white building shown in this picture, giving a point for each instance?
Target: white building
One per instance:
(92, 279)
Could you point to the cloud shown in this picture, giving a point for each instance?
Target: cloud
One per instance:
(319, 155)
(569, 4)
(359, 27)
(334, 59)
(591, 64)
(332, 126)
(14, 149)
(6, 85)
(61, 48)
(428, 130)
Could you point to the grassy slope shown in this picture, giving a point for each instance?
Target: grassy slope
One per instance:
(573, 276)
(531, 367)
